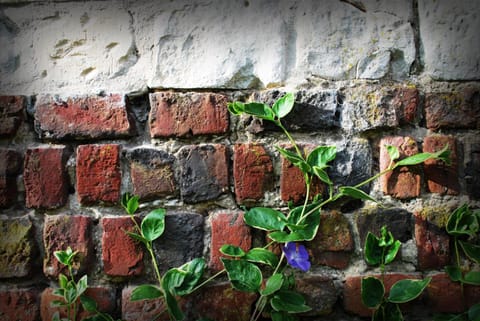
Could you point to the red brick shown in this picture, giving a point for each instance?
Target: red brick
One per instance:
(228, 227)
(104, 297)
(441, 178)
(455, 109)
(185, 114)
(220, 302)
(45, 177)
(82, 117)
(444, 295)
(252, 172)
(405, 101)
(122, 256)
(352, 297)
(292, 182)
(404, 182)
(62, 231)
(11, 114)
(433, 245)
(98, 174)
(152, 173)
(17, 247)
(19, 304)
(154, 309)
(10, 165)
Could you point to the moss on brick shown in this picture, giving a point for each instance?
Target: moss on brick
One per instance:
(16, 247)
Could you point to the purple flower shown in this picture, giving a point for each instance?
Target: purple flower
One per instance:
(297, 256)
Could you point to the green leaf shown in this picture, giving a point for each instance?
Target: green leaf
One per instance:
(373, 251)
(265, 218)
(289, 301)
(82, 285)
(443, 155)
(172, 307)
(462, 222)
(232, 250)
(60, 292)
(236, 108)
(261, 255)
(182, 280)
(304, 228)
(130, 203)
(356, 193)
(65, 257)
(137, 237)
(243, 275)
(295, 159)
(58, 304)
(322, 175)
(274, 283)
(454, 273)
(392, 152)
(285, 237)
(388, 312)
(471, 250)
(321, 156)
(372, 292)
(472, 277)
(62, 280)
(146, 292)
(88, 303)
(407, 290)
(449, 317)
(153, 224)
(282, 316)
(259, 110)
(70, 292)
(474, 312)
(284, 105)
(392, 252)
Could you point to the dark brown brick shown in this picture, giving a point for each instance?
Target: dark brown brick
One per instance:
(441, 178)
(404, 182)
(433, 245)
(82, 117)
(313, 287)
(20, 304)
(405, 101)
(98, 174)
(62, 231)
(10, 166)
(121, 255)
(11, 114)
(252, 172)
(45, 177)
(184, 114)
(444, 295)
(228, 227)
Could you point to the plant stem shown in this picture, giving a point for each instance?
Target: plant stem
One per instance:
(154, 262)
(457, 256)
(290, 138)
(208, 280)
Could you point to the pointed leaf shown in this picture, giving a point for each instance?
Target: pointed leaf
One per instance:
(232, 250)
(274, 283)
(146, 292)
(82, 285)
(372, 250)
(306, 228)
(454, 273)
(462, 222)
(295, 159)
(320, 173)
(265, 218)
(474, 312)
(372, 292)
(243, 275)
(58, 304)
(236, 108)
(321, 156)
(392, 152)
(137, 237)
(472, 277)
(388, 312)
(392, 252)
(284, 105)
(356, 193)
(471, 250)
(443, 155)
(259, 110)
(182, 280)
(88, 303)
(282, 316)
(289, 301)
(153, 224)
(261, 255)
(172, 307)
(285, 237)
(62, 280)
(407, 290)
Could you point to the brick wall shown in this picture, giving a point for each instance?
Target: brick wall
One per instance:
(65, 163)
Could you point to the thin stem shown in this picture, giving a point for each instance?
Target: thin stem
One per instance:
(457, 256)
(290, 138)
(154, 262)
(208, 280)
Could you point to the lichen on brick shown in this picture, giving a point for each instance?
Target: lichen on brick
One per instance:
(16, 247)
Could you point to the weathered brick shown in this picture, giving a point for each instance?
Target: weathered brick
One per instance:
(152, 173)
(17, 247)
(184, 114)
(227, 227)
(472, 167)
(204, 172)
(105, 297)
(20, 304)
(397, 221)
(45, 177)
(121, 255)
(334, 241)
(98, 174)
(404, 182)
(154, 309)
(433, 245)
(62, 231)
(292, 181)
(405, 101)
(220, 302)
(10, 166)
(441, 178)
(182, 240)
(11, 114)
(444, 295)
(455, 109)
(252, 172)
(352, 301)
(82, 117)
(319, 292)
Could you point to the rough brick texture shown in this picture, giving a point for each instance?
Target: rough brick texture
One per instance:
(441, 178)
(17, 247)
(227, 228)
(11, 114)
(141, 310)
(121, 255)
(62, 231)
(45, 177)
(398, 221)
(252, 172)
(204, 172)
(184, 114)
(404, 182)
(313, 287)
(405, 102)
(10, 165)
(98, 173)
(20, 304)
(152, 173)
(82, 117)
(433, 245)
